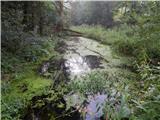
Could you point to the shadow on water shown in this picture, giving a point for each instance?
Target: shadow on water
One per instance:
(81, 64)
(42, 109)
(73, 66)
(93, 61)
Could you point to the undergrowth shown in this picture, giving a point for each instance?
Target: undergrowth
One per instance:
(17, 93)
(127, 98)
(20, 78)
(125, 39)
(139, 98)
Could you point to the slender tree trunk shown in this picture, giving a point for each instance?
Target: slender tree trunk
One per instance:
(33, 22)
(41, 19)
(25, 18)
(59, 7)
(61, 14)
(41, 26)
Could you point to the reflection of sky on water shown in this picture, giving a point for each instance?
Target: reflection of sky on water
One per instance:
(95, 107)
(80, 60)
(77, 65)
(92, 106)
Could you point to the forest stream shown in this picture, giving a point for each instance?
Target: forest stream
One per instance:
(82, 56)
(80, 60)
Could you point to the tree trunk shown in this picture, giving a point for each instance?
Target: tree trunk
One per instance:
(25, 18)
(41, 26)
(59, 7)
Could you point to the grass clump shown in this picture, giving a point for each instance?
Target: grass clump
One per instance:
(90, 84)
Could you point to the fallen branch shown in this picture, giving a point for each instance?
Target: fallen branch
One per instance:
(68, 114)
(98, 54)
(74, 33)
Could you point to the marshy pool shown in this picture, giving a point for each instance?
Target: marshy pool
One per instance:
(81, 56)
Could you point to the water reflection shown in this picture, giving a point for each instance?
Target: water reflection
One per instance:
(92, 106)
(95, 107)
(76, 65)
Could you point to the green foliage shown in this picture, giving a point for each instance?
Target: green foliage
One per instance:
(120, 110)
(32, 52)
(11, 110)
(15, 99)
(90, 84)
(8, 62)
(28, 38)
(23, 48)
(106, 36)
(148, 109)
(21, 41)
(24, 83)
(42, 48)
(26, 30)
(135, 104)
(124, 39)
(145, 50)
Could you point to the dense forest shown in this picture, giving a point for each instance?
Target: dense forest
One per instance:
(80, 60)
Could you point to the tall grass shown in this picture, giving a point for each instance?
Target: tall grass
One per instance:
(106, 36)
(125, 39)
(144, 45)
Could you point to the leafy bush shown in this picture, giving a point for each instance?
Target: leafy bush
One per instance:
(8, 62)
(118, 109)
(32, 50)
(12, 111)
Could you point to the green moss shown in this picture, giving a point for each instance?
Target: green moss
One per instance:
(17, 93)
(24, 83)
